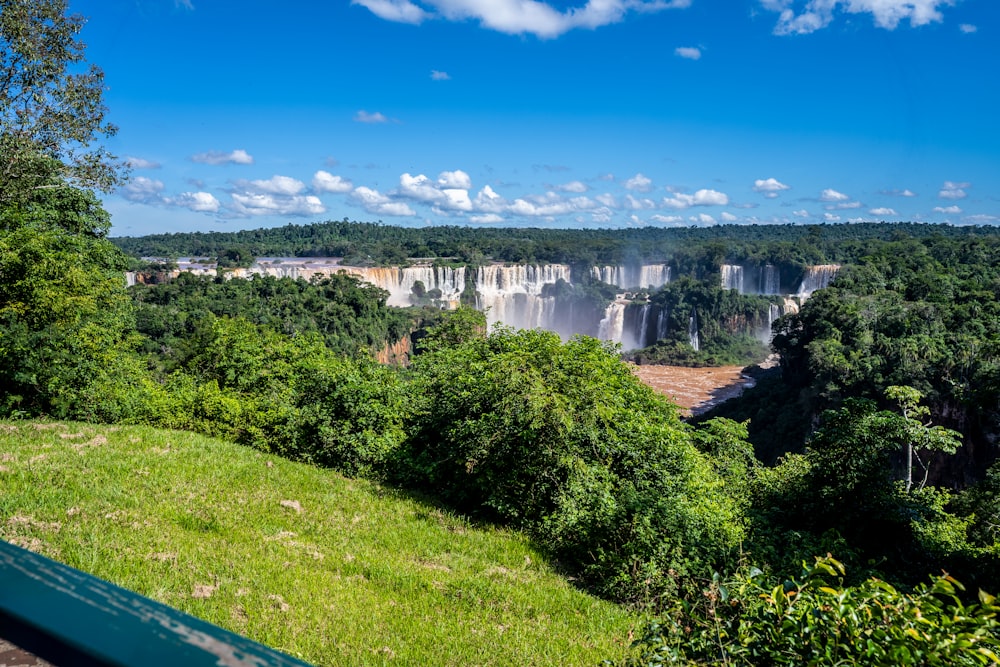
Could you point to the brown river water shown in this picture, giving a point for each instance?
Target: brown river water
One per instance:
(695, 390)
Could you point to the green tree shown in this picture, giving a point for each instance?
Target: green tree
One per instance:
(51, 108)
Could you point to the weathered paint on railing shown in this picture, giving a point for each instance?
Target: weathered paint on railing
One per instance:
(69, 617)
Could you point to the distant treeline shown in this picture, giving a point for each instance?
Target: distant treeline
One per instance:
(691, 249)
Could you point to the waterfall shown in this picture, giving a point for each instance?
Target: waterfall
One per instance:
(732, 277)
(513, 294)
(646, 276)
(770, 280)
(643, 333)
(817, 277)
(774, 311)
(613, 325)
(399, 282)
(662, 324)
(693, 330)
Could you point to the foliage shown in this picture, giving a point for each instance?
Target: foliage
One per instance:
(818, 621)
(564, 441)
(51, 112)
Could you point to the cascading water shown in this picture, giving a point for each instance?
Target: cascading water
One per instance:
(643, 332)
(645, 276)
(770, 281)
(613, 325)
(693, 330)
(511, 295)
(817, 277)
(732, 277)
(399, 282)
(662, 324)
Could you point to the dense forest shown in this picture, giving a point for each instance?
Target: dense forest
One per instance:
(800, 529)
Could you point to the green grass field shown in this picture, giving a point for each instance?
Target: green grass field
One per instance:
(331, 570)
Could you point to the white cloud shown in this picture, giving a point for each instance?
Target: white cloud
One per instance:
(700, 198)
(830, 217)
(689, 52)
(844, 206)
(144, 190)
(769, 187)
(832, 195)
(517, 17)
(572, 186)
(184, 4)
(455, 179)
(238, 156)
(801, 213)
(202, 202)
(401, 11)
(247, 204)
(982, 219)
(887, 14)
(899, 193)
(953, 190)
(637, 204)
(667, 219)
(883, 211)
(639, 183)
(363, 116)
(276, 185)
(948, 210)
(968, 28)
(486, 218)
(140, 163)
(728, 217)
(324, 181)
(440, 76)
(377, 203)
(702, 219)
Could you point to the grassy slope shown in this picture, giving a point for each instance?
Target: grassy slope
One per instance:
(331, 570)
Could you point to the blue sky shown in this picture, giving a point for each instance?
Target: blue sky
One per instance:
(568, 113)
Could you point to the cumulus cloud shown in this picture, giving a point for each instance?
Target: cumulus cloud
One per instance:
(572, 186)
(401, 11)
(832, 195)
(948, 210)
(140, 163)
(363, 116)
(898, 193)
(953, 190)
(247, 204)
(688, 52)
(702, 219)
(982, 219)
(518, 17)
(276, 185)
(728, 217)
(143, 190)
(769, 187)
(843, 206)
(883, 211)
(968, 28)
(667, 219)
(440, 76)
(324, 181)
(486, 218)
(202, 202)
(796, 17)
(639, 183)
(238, 156)
(801, 213)
(700, 198)
(830, 217)
(455, 179)
(377, 203)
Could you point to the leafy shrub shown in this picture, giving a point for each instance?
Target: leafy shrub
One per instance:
(819, 622)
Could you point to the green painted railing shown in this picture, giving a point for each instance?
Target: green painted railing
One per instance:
(68, 617)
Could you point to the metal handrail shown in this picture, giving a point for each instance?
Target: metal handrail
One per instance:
(69, 617)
